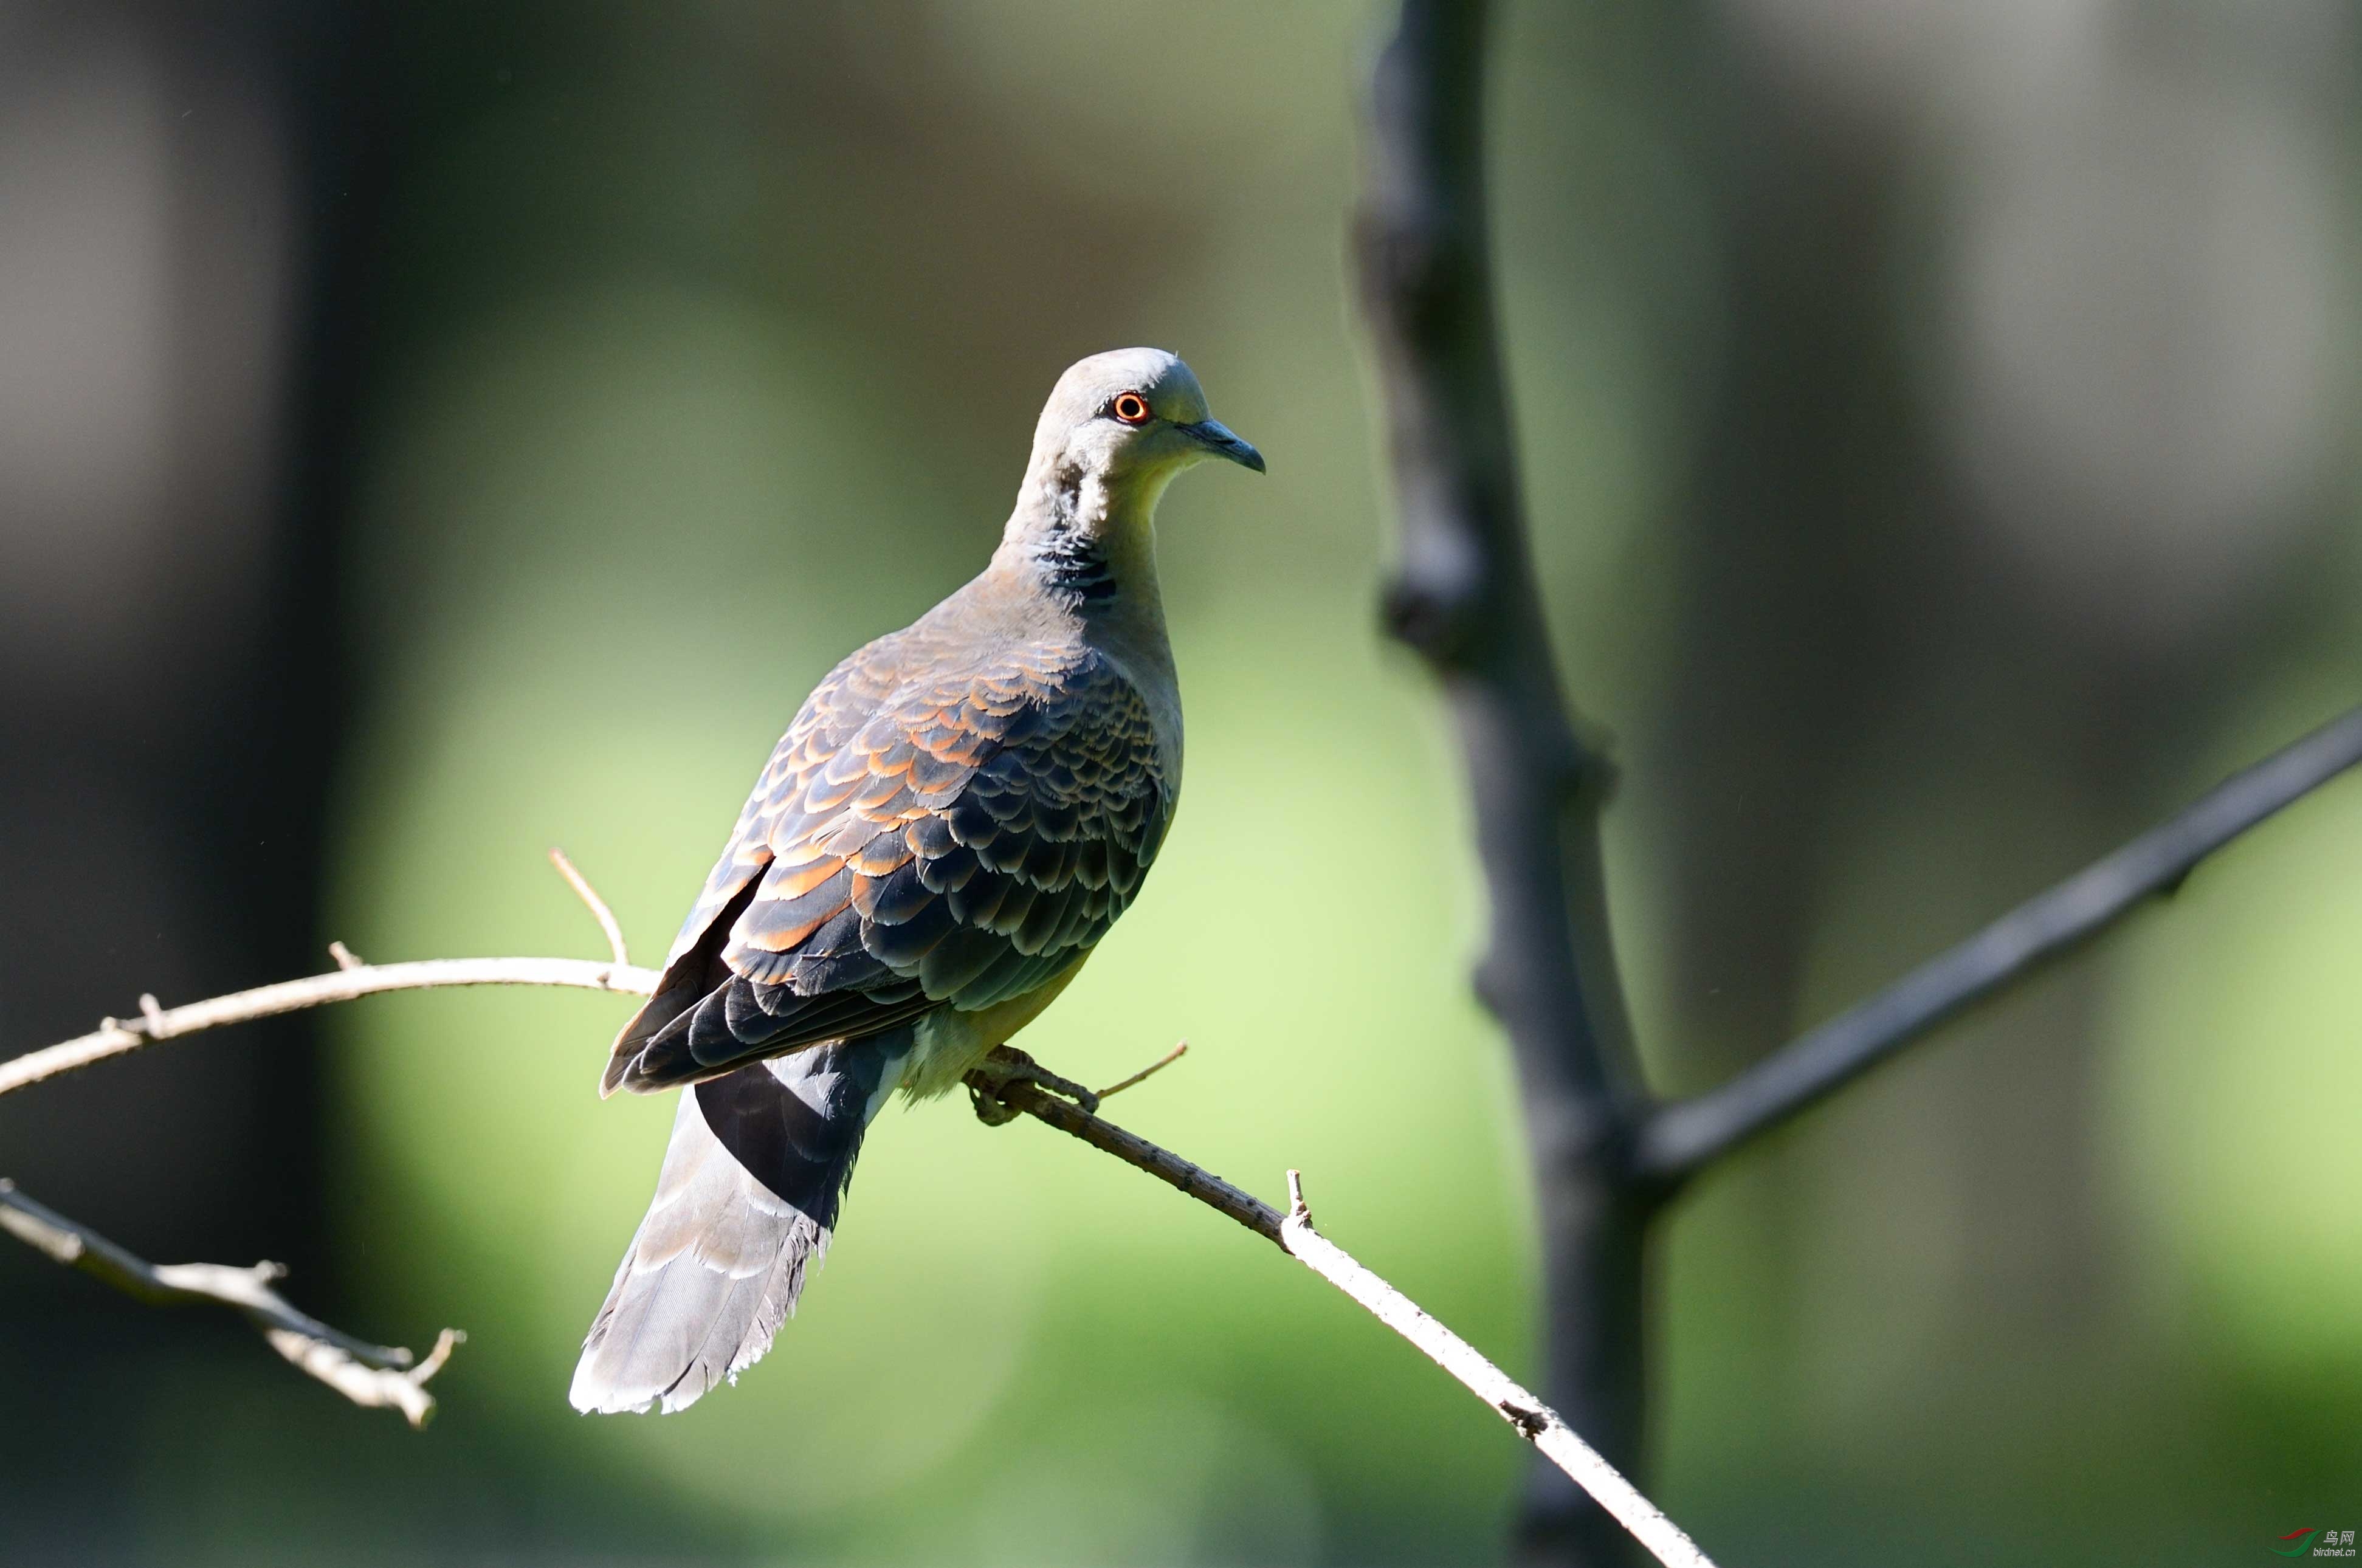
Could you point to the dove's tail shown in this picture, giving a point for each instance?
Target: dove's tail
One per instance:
(744, 1209)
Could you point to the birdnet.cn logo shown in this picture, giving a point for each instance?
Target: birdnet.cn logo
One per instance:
(2316, 1543)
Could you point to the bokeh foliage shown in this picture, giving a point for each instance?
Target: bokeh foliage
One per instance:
(706, 342)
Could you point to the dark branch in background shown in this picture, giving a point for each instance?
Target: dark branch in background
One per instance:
(1683, 1138)
(1463, 597)
(371, 1376)
(1606, 1157)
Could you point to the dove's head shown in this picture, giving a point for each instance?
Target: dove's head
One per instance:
(1127, 421)
(1117, 429)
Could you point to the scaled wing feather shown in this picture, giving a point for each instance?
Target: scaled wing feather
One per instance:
(955, 840)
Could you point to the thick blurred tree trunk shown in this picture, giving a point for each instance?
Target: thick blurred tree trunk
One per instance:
(1464, 597)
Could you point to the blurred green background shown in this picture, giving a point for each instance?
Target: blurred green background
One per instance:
(1939, 433)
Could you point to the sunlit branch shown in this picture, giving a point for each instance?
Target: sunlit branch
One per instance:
(1293, 1232)
(117, 1037)
(1011, 1082)
(1534, 1421)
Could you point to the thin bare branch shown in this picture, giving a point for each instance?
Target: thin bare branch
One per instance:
(118, 1037)
(598, 909)
(1682, 1139)
(1194, 1181)
(1533, 1421)
(1011, 1082)
(1147, 1071)
(377, 1376)
(1292, 1233)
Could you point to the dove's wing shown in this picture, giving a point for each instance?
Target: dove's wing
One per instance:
(956, 839)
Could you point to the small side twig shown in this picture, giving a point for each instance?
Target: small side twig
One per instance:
(1535, 1421)
(598, 906)
(374, 1376)
(1147, 1071)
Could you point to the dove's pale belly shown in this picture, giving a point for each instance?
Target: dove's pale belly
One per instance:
(948, 1041)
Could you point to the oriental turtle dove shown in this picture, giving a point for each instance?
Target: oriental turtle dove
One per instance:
(956, 816)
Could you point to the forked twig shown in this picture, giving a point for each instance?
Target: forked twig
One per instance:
(368, 1374)
(376, 1376)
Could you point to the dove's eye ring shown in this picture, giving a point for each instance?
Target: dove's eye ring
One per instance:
(1131, 408)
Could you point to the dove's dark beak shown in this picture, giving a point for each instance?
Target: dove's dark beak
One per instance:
(1216, 437)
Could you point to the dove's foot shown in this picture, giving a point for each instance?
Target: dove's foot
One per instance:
(988, 1081)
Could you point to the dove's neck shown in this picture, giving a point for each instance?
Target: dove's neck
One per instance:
(1082, 549)
(1088, 541)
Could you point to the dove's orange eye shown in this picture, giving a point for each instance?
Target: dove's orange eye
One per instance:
(1129, 407)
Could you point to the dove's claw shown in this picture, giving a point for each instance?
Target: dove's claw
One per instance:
(1006, 1065)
